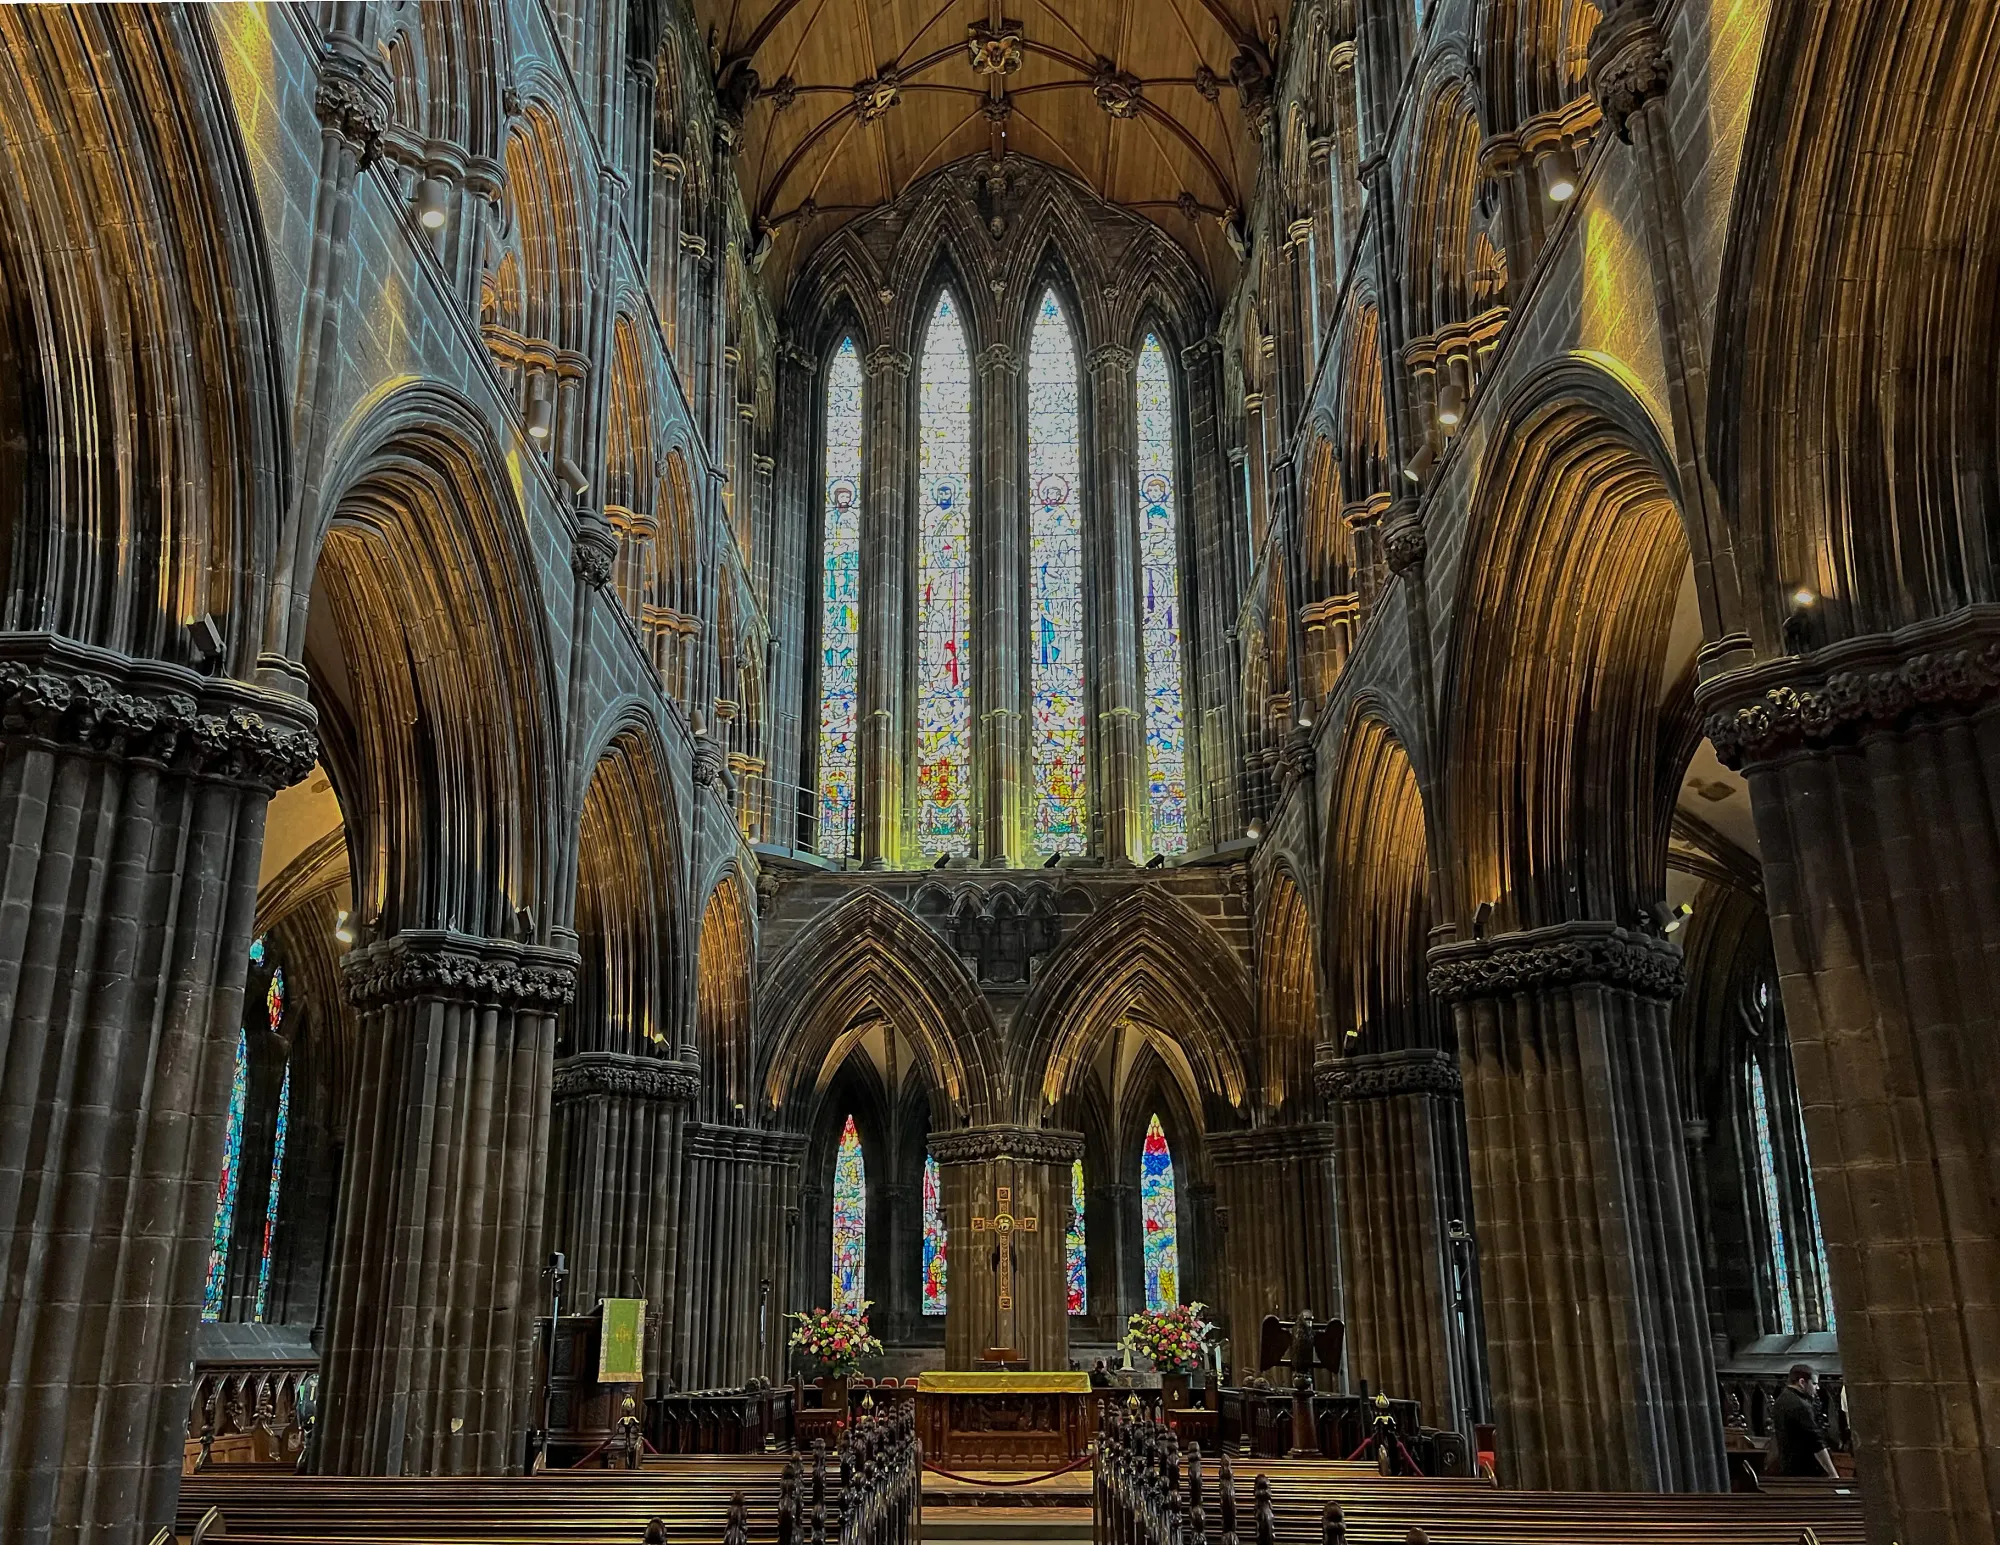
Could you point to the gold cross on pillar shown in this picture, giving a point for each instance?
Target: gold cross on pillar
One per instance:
(1004, 1224)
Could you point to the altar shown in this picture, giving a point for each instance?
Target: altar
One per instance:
(1004, 1421)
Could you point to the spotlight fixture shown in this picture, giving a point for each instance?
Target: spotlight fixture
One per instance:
(541, 412)
(1419, 466)
(1804, 598)
(430, 201)
(1451, 404)
(1559, 175)
(342, 929)
(1253, 831)
(1678, 915)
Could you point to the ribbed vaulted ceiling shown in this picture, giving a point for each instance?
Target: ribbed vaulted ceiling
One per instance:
(845, 103)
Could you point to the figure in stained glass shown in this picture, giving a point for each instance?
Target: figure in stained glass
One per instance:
(934, 1240)
(214, 1291)
(1157, 1204)
(1055, 573)
(944, 588)
(850, 1223)
(840, 606)
(1075, 1256)
(1159, 623)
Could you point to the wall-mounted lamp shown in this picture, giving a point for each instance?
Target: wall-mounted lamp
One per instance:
(342, 929)
(1253, 831)
(1419, 466)
(1559, 174)
(1805, 598)
(1451, 405)
(430, 203)
(541, 411)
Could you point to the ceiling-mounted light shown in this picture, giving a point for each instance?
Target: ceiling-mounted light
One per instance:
(342, 930)
(430, 203)
(1559, 174)
(541, 411)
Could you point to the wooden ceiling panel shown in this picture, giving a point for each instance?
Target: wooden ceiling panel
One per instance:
(844, 103)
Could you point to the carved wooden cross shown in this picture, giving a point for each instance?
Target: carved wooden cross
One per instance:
(1004, 1224)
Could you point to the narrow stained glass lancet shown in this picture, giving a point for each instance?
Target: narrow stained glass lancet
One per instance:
(1160, 620)
(214, 1292)
(840, 606)
(271, 1201)
(850, 1223)
(1162, 1247)
(944, 588)
(1774, 1217)
(934, 1240)
(1055, 582)
(1076, 1262)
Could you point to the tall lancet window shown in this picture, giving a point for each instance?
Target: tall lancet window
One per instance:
(850, 1223)
(1774, 1212)
(934, 1239)
(1157, 1212)
(944, 588)
(1076, 1256)
(1160, 619)
(840, 606)
(274, 1012)
(214, 1293)
(1055, 582)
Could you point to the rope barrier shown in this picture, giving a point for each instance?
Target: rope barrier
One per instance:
(1019, 1480)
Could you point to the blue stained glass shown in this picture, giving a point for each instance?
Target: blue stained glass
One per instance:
(944, 588)
(1160, 624)
(1157, 1210)
(271, 1202)
(934, 1241)
(1055, 581)
(1819, 1238)
(1075, 1256)
(257, 950)
(1774, 1217)
(850, 1223)
(274, 999)
(213, 1294)
(840, 608)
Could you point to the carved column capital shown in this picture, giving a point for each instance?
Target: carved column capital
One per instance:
(614, 1073)
(999, 357)
(882, 358)
(1113, 357)
(1383, 1074)
(1404, 544)
(1835, 696)
(1567, 954)
(1629, 63)
(593, 551)
(437, 963)
(352, 102)
(76, 698)
(983, 1145)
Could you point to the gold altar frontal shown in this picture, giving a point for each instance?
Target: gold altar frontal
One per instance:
(1004, 1421)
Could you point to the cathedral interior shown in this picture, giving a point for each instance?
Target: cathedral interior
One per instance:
(1343, 655)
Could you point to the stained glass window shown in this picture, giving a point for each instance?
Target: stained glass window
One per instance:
(1156, 1208)
(274, 998)
(934, 1240)
(271, 1202)
(944, 588)
(1055, 582)
(1160, 621)
(850, 1223)
(840, 606)
(1819, 1239)
(225, 1192)
(1773, 1214)
(257, 950)
(1075, 1258)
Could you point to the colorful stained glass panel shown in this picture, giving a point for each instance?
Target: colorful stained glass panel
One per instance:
(1055, 583)
(1075, 1256)
(1162, 1248)
(850, 1223)
(1774, 1216)
(271, 1201)
(944, 588)
(1160, 619)
(934, 1240)
(214, 1292)
(840, 606)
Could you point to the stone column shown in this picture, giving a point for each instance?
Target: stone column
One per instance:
(738, 1226)
(1119, 783)
(1119, 1266)
(796, 581)
(437, 1270)
(1401, 1129)
(1326, 239)
(665, 265)
(1212, 573)
(886, 571)
(1003, 778)
(1874, 768)
(1276, 1197)
(133, 795)
(1033, 1165)
(614, 1153)
(1603, 1373)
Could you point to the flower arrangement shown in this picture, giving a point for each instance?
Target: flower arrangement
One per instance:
(835, 1340)
(1174, 1339)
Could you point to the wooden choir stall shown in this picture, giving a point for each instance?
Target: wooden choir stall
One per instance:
(1004, 1420)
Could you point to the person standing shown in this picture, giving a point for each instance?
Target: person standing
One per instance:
(1798, 1431)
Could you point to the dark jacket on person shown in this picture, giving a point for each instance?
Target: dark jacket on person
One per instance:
(1798, 1434)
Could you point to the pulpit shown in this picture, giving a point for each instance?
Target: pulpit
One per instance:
(1004, 1421)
